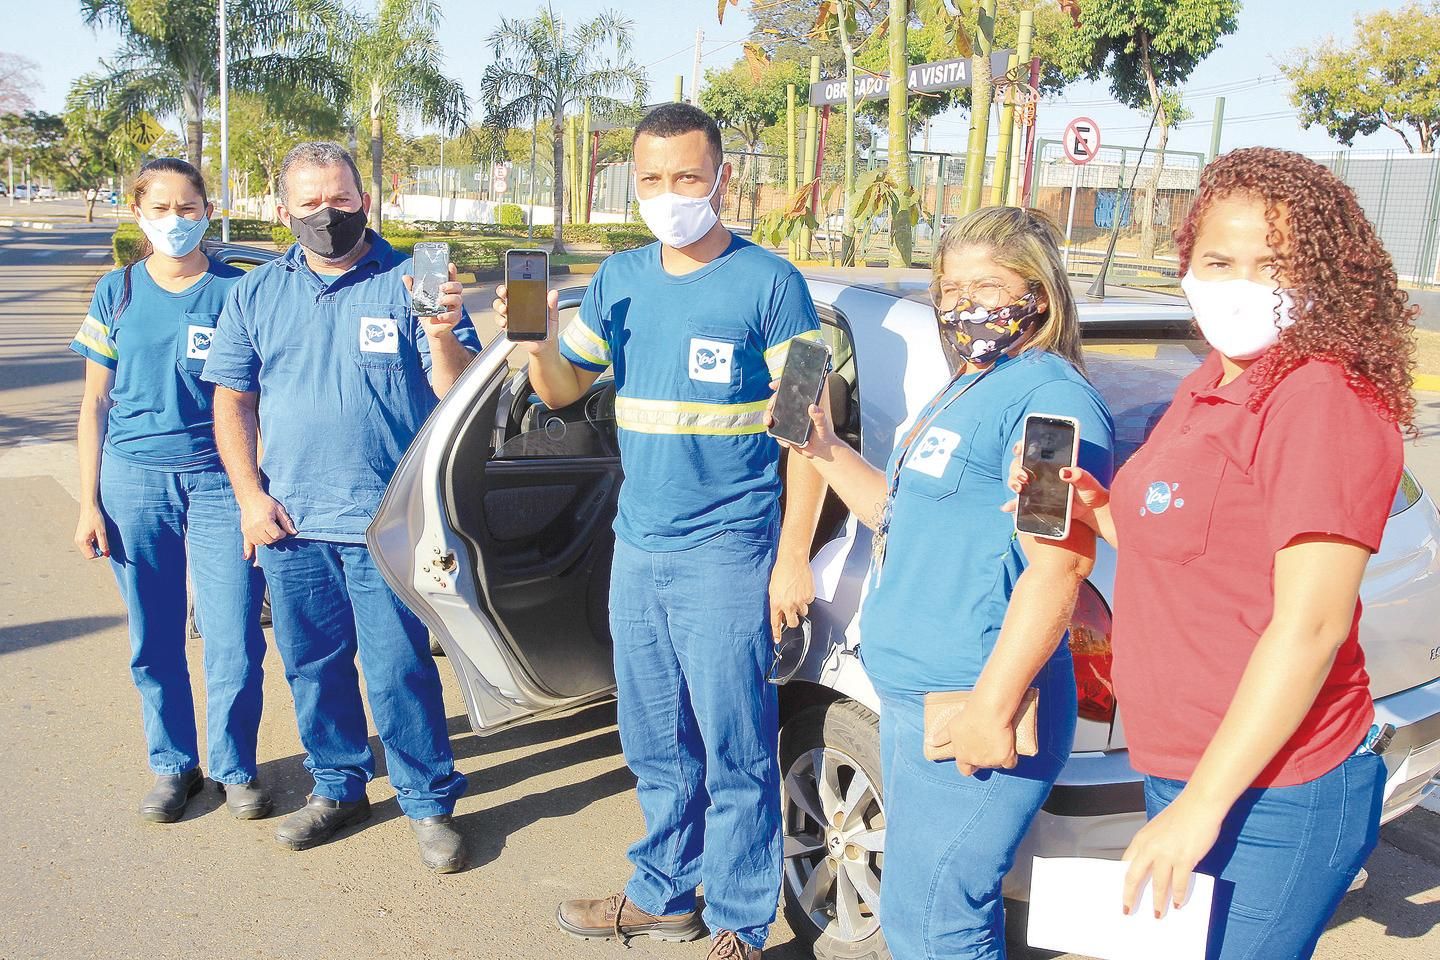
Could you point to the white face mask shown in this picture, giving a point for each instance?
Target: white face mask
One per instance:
(173, 235)
(1239, 317)
(680, 221)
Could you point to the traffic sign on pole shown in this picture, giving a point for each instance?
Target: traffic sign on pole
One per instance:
(1081, 140)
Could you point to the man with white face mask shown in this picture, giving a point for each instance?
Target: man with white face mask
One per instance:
(696, 326)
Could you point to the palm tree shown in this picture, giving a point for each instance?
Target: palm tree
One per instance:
(543, 69)
(167, 61)
(395, 68)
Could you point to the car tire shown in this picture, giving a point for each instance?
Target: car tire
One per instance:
(830, 757)
(435, 649)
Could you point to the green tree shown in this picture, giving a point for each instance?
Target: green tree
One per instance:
(1388, 76)
(1146, 50)
(541, 68)
(166, 63)
(263, 129)
(395, 67)
(746, 99)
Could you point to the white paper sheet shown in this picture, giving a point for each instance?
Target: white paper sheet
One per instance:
(1075, 907)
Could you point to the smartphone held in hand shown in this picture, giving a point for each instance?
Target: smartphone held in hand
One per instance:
(431, 266)
(527, 286)
(1050, 444)
(806, 367)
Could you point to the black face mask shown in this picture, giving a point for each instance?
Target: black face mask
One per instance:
(330, 233)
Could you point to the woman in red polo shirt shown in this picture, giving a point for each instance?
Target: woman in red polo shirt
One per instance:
(1243, 527)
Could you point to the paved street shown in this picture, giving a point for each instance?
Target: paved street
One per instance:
(550, 808)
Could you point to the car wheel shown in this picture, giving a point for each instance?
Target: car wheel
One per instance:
(834, 826)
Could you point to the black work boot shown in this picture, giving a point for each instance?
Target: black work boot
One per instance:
(246, 801)
(319, 820)
(442, 849)
(166, 800)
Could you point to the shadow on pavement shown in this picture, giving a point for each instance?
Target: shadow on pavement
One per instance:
(1389, 899)
(27, 636)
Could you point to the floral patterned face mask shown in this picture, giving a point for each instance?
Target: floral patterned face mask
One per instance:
(977, 334)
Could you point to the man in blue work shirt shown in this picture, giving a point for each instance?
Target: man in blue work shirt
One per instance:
(696, 327)
(319, 353)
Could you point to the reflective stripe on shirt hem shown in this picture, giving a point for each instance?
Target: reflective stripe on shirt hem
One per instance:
(677, 417)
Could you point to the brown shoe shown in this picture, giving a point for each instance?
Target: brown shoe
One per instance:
(616, 918)
(727, 946)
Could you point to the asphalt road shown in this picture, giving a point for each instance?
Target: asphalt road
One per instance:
(550, 808)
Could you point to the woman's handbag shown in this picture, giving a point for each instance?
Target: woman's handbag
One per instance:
(943, 707)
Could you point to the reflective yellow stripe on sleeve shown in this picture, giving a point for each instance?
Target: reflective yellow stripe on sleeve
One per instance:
(587, 343)
(775, 356)
(702, 419)
(96, 336)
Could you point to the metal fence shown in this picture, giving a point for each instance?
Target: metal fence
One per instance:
(1399, 192)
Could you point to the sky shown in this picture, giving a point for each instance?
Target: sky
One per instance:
(1243, 70)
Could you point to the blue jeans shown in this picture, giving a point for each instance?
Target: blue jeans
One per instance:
(950, 839)
(157, 522)
(699, 727)
(1285, 857)
(329, 604)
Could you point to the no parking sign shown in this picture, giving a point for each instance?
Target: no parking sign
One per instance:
(1081, 140)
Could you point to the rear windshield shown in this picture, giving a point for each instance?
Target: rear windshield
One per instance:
(1138, 380)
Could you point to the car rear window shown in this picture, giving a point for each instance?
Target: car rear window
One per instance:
(1137, 380)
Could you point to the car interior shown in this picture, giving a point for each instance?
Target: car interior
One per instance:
(534, 491)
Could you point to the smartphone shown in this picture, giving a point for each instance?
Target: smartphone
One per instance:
(527, 284)
(1050, 444)
(806, 367)
(431, 268)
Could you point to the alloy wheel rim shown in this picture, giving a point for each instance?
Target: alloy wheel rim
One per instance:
(834, 843)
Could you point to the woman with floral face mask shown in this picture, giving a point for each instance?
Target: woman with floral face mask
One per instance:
(1243, 528)
(155, 500)
(958, 602)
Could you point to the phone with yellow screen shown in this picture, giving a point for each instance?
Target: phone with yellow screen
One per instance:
(527, 285)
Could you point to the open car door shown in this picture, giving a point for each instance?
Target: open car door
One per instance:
(496, 531)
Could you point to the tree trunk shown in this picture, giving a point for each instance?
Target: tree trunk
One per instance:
(558, 194)
(900, 239)
(194, 142)
(90, 206)
(377, 156)
(1152, 182)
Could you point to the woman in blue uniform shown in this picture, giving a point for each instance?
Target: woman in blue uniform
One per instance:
(958, 601)
(155, 500)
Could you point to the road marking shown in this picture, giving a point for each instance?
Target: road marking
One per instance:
(34, 457)
(97, 253)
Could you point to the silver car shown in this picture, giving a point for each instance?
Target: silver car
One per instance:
(496, 530)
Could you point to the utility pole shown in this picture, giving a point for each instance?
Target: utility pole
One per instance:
(790, 184)
(695, 75)
(979, 109)
(1000, 181)
(1215, 128)
(11, 181)
(899, 158)
(679, 88)
(811, 130)
(224, 132)
(1020, 143)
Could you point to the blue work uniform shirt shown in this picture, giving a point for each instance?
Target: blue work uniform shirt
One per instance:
(694, 356)
(934, 610)
(342, 367)
(161, 416)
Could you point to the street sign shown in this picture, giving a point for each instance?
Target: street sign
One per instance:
(922, 78)
(1081, 140)
(499, 179)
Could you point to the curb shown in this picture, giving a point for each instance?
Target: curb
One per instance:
(1427, 382)
(561, 270)
(31, 224)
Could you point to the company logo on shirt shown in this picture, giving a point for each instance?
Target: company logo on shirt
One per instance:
(932, 454)
(197, 346)
(711, 361)
(1161, 496)
(379, 335)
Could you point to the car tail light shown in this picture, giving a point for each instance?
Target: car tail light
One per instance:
(1090, 649)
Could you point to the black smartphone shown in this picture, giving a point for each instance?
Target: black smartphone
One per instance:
(1050, 444)
(431, 267)
(527, 284)
(806, 367)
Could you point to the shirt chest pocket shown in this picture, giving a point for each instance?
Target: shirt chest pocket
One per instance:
(714, 360)
(378, 335)
(1173, 499)
(939, 458)
(192, 344)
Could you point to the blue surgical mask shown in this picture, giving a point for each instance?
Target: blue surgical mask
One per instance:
(173, 235)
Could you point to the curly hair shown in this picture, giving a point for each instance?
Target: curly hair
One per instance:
(1348, 305)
